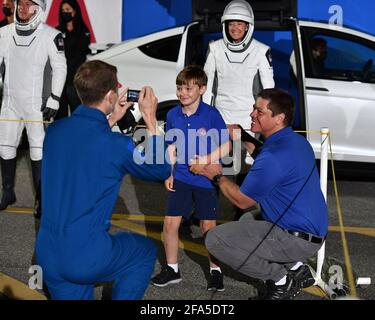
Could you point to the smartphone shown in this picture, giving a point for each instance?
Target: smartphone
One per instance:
(132, 95)
(246, 137)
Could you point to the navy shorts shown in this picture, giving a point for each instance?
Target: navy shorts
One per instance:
(205, 201)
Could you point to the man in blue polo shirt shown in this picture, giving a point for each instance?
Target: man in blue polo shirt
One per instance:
(284, 181)
(83, 166)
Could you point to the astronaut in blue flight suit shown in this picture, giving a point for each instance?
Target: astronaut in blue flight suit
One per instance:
(82, 169)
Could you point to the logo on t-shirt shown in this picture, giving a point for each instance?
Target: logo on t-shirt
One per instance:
(202, 132)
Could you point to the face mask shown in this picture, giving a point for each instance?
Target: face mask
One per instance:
(67, 16)
(7, 12)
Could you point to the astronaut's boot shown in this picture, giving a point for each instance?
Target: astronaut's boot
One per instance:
(8, 174)
(36, 172)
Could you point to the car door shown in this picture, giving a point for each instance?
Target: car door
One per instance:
(340, 91)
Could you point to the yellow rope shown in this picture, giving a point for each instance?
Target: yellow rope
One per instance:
(348, 265)
(25, 121)
(349, 270)
(308, 131)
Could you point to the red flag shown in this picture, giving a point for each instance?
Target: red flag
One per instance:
(1, 11)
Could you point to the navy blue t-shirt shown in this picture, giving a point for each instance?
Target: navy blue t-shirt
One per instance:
(278, 175)
(198, 134)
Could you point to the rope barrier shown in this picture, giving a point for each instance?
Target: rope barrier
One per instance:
(348, 264)
(308, 131)
(26, 121)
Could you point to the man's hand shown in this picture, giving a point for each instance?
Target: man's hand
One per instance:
(49, 110)
(198, 164)
(148, 104)
(48, 113)
(197, 168)
(120, 108)
(211, 170)
(168, 183)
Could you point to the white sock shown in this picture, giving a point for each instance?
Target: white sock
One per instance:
(174, 266)
(216, 268)
(281, 281)
(296, 266)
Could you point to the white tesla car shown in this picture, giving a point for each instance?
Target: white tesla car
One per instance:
(342, 98)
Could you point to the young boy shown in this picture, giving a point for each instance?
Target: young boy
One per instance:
(199, 137)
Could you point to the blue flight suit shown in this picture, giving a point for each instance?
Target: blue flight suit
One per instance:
(83, 165)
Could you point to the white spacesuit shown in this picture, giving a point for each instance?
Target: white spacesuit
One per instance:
(233, 67)
(29, 50)
(237, 71)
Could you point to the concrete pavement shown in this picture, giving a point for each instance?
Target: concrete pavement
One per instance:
(140, 208)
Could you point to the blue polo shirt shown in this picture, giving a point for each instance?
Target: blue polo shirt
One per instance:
(197, 134)
(82, 170)
(278, 175)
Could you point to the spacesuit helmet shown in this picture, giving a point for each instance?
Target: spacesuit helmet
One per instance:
(238, 10)
(35, 20)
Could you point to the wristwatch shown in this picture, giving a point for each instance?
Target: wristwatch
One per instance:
(216, 179)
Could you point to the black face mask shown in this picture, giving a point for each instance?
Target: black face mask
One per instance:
(66, 17)
(7, 12)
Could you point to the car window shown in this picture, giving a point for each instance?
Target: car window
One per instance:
(337, 58)
(164, 49)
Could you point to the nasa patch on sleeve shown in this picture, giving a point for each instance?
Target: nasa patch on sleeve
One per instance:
(269, 57)
(59, 42)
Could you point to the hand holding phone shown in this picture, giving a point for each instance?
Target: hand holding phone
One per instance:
(132, 95)
(246, 137)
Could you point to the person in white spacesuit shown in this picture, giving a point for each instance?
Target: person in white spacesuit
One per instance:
(238, 68)
(234, 62)
(30, 50)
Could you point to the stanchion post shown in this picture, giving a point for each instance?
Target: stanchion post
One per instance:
(324, 161)
(323, 185)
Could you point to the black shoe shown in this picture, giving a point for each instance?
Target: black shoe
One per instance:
(303, 276)
(287, 291)
(7, 199)
(38, 202)
(166, 276)
(37, 209)
(215, 283)
(8, 173)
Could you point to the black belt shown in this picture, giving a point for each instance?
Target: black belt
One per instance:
(306, 236)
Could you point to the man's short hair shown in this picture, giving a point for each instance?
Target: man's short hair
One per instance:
(93, 80)
(192, 73)
(280, 101)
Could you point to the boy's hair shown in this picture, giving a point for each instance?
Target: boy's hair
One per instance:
(192, 73)
(280, 101)
(93, 80)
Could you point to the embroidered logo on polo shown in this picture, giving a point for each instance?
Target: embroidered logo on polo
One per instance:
(202, 132)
